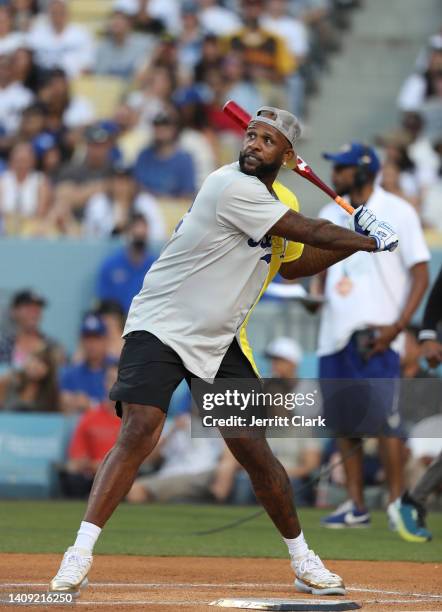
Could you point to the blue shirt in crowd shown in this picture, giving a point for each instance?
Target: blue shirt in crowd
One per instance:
(120, 279)
(80, 378)
(174, 176)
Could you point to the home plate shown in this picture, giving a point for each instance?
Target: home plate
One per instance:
(302, 605)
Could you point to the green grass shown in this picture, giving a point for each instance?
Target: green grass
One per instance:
(38, 526)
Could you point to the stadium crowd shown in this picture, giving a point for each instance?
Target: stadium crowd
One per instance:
(114, 159)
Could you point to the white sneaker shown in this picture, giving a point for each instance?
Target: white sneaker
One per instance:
(72, 575)
(312, 577)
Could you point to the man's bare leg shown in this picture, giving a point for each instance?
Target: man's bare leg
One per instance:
(270, 482)
(352, 459)
(272, 487)
(139, 434)
(392, 456)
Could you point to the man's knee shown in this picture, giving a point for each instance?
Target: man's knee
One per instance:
(141, 427)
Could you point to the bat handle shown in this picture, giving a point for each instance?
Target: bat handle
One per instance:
(344, 204)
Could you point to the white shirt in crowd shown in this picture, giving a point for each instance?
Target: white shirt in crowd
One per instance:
(412, 93)
(219, 21)
(11, 42)
(370, 288)
(72, 50)
(293, 31)
(183, 454)
(80, 112)
(19, 198)
(102, 216)
(13, 100)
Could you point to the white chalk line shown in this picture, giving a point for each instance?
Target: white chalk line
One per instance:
(211, 585)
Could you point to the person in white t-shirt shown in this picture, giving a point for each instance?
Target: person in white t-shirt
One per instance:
(217, 19)
(58, 43)
(188, 322)
(14, 98)
(368, 302)
(10, 41)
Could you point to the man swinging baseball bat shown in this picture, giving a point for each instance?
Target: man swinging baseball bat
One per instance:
(188, 321)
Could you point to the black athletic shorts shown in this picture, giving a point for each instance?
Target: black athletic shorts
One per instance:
(150, 371)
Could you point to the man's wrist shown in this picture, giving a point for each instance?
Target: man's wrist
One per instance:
(399, 326)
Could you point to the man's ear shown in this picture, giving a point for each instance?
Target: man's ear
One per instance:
(290, 159)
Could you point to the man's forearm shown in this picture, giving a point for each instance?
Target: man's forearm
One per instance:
(321, 233)
(312, 261)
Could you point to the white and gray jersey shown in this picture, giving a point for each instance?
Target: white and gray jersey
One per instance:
(211, 271)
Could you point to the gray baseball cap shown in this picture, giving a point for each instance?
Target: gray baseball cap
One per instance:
(283, 121)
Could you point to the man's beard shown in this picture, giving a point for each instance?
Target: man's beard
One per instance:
(262, 170)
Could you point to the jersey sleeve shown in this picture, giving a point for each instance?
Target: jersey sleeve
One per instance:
(247, 206)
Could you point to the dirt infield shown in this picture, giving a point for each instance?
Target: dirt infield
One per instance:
(190, 584)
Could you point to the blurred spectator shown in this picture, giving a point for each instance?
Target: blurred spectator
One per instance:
(121, 52)
(300, 456)
(432, 202)
(186, 470)
(113, 316)
(396, 155)
(238, 87)
(296, 36)
(33, 387)
(10, 41)
(14, 97)
(422, 87)
(267, 59)
(82, 385)
(163, 168)
(197, 137)
(58, 43)
(122, 274)
(157, 84)
(190, 36)
(360, 338)
(25, 70)
(217, 19)
(65, 109)
(167, 12)
(143, 19)
(420, 149)
(211, 58)
(49, 155)
(95, 434)
(79, 180)
(25, 193)
(109, 213)
(132, 134)
(24, 12)
(24, 336)
(33, 122)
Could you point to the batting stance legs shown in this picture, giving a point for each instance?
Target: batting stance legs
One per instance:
(141, 428)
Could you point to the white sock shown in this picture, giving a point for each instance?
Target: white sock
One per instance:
(298, 547)
(87, 535)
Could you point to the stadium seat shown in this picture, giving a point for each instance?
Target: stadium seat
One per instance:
(89, 10)
(104, 92)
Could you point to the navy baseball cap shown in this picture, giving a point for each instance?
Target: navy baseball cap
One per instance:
(356, 154)
(93, 326)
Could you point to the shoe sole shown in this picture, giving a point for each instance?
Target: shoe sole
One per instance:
(305, 588)
(75, 591)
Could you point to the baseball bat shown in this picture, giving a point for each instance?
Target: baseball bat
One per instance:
(242, 118)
